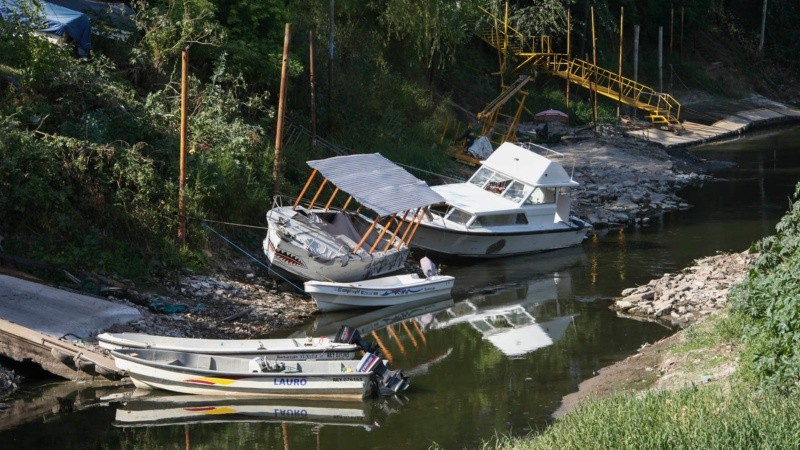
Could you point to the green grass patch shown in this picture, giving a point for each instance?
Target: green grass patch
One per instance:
(693, 418)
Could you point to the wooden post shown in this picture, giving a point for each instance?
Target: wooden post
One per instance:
(184, 126)
(397, 230)
(319, 191)
(410, 224)
(383, 231)
(569, 61)
(313, 88)
(660, 59)
(305, 188)
(416, 225)
(330, 67)
(594, 74)
(619, 100)
(635, 59)
(364, 238)
(330, 200)
(276, 166)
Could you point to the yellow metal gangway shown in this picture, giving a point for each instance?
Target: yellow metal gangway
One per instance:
(500, 126)
(536, 51)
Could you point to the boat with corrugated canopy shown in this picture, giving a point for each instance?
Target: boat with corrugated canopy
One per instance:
(366, 237)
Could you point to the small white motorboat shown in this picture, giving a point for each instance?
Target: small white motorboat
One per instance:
(283, 349)
(380, 292)
(194, 373)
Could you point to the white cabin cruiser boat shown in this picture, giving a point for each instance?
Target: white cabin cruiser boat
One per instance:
(517, 202)
(324, 241)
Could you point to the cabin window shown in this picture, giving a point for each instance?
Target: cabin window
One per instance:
(459, 216)
(438, 210)
(541, 195)
(516, 191)
(498, 220)
(481, 177)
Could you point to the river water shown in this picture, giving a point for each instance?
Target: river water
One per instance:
(473, 376)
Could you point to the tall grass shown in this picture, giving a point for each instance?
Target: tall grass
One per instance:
(693, 418)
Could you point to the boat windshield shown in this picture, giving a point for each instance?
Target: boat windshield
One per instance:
(516, 191)
(541, 195)
(459, 216)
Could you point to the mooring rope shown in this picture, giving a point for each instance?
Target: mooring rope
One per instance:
(208, 227)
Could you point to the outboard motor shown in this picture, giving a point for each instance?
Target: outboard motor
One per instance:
(349, 335)
(428, 267)
(389, 381)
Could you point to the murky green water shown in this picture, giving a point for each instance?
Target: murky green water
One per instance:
(472, 376)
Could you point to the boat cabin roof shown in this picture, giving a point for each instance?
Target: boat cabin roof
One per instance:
(529, 167)
(377, 183)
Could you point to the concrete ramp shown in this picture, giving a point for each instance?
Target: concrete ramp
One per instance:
(58, 312)
(34, 318)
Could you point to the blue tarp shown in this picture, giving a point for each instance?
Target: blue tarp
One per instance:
(50, 18)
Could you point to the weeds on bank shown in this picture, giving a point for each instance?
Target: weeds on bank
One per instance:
(692, 418)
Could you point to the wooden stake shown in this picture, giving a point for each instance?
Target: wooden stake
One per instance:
(569, 60)
(383, 231)
(364, 238)
(330, 200)
(184, 126)
(276, 167)
(313, 88)
(619, 100)
(594, 76)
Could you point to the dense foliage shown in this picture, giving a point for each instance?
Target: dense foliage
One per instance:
(89, 148)
(770, 300)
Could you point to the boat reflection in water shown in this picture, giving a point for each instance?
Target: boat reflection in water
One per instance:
(505, 316)
(474, 277)
(145, 409)
(400, 332)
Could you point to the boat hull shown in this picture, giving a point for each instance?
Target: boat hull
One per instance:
(449, 242)
(282, 349)
(182, 373)
(402, 289)
(304, 251)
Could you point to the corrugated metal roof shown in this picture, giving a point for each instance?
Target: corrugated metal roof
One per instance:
(376, 183)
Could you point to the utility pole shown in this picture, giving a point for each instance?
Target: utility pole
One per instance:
(184, 126)
(276, 166)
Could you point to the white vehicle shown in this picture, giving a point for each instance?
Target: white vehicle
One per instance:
(517, 202)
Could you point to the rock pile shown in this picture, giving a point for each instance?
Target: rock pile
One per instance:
(9, 382)
(624, 181)
(217, 307)
(683, 298)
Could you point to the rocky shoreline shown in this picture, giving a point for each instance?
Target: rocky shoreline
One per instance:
(686, 297)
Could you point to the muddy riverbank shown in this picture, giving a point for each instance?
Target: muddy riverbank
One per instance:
(682, 299)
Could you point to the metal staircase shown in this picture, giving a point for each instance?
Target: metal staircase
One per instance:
(536, 52)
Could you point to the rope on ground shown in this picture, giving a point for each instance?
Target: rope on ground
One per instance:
(208, 227)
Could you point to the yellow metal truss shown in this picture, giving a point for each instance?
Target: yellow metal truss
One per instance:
(536, 51)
